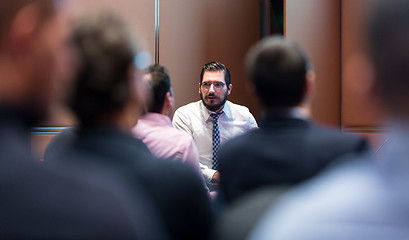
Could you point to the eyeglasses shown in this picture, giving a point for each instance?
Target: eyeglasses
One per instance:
(216, 85)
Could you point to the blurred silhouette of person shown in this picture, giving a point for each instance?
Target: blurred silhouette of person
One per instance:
(38, 202)
(361, 198)
(258, 167)
(108, 98)
(288, 147)
(213, 120)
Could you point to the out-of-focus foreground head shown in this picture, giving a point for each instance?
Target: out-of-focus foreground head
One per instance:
(388, 38)
(107, 79)
(33, 47)
(278, 71)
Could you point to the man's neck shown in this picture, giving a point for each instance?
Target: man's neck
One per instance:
(296, 112)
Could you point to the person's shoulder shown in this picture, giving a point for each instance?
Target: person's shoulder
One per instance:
(181, 136)
(241, 144)
(302, 209)
(176, 138)
(190, 107)
(238, 111)
(237, 107)
(60, 142)
(338, 138)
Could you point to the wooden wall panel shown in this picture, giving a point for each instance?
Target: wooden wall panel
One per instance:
(315, 25)
(358, 109)
(195, 32)
(139, 15)
(140, 19)
(360, 115)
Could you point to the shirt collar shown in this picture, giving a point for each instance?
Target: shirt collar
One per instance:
(206, 112)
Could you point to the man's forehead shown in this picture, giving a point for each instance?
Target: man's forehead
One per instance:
(214, 76)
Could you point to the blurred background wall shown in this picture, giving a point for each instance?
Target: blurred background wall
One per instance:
(192, 33)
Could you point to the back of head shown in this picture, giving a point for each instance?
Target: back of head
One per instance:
(103, 83)
(277, 68)
(388, 35)
(159, 81)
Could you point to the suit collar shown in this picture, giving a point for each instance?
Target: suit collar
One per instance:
(284, 117)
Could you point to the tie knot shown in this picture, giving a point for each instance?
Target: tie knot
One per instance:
(216, 116)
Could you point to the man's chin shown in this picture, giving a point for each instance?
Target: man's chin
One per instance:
(212, 107)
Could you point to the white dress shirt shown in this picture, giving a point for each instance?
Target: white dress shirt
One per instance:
(194, 118)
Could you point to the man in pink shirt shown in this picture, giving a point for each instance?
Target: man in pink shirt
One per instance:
(155, 127)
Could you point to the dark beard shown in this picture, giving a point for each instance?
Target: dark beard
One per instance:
(214, 108)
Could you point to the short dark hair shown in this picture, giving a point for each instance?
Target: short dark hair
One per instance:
(160, 85)
(277, 67)
(216, 67)
(388, 36)
(106, 54)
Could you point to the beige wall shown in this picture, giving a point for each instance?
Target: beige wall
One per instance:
(193, 33)
(315, 25)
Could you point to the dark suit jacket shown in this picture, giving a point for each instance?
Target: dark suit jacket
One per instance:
(284, 150)
(39, 203)
(175, 188)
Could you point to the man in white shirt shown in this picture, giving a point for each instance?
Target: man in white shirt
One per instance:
(213, 120)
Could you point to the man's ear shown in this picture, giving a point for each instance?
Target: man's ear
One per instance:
(168, 104)
(229, 89)
(200, 89)
(23, 29)
(168, 99)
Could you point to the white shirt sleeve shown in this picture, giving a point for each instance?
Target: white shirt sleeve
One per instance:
(252, 123)
(207, 172)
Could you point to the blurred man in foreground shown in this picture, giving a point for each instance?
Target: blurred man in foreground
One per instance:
(362, 198)
(288, 147)
(37, 202)
(107, 98)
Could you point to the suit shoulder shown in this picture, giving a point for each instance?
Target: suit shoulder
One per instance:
(240, 143)
(337, 137)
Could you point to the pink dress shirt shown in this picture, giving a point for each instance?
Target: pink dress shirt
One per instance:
(164, 141)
